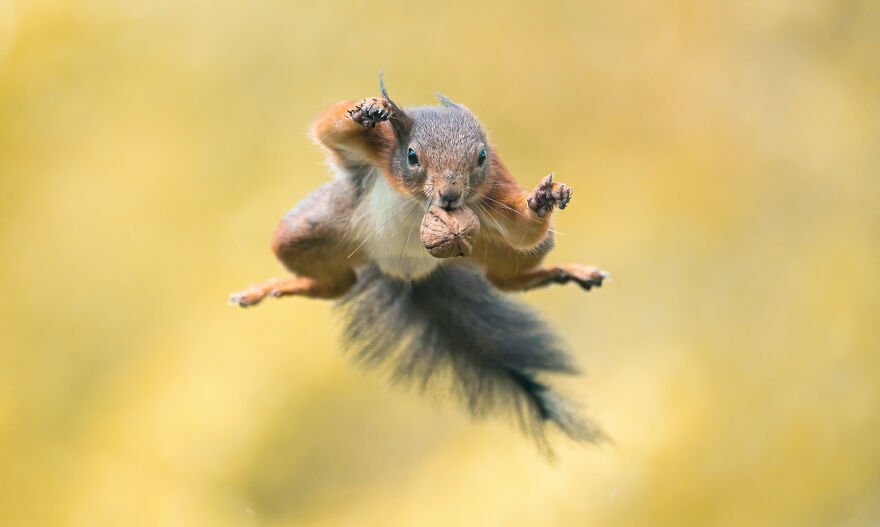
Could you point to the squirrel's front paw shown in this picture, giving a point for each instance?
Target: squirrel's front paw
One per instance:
(370, 111)
(547, 195)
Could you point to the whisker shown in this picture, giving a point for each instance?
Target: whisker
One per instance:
(509, 208)
(498, 202)
(359, 246)
(402, 249)
(481, 196)
(481, 205)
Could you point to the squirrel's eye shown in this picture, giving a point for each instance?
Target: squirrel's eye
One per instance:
(412, 158)
(482, 158)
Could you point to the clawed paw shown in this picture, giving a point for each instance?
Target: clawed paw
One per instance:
(586, 276)
(370, 111)
(548, 195)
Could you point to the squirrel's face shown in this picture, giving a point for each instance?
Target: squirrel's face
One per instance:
(442, 157)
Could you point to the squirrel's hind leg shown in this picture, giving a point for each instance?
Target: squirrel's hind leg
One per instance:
(313, 242)
(586, 276)
(510, 269)
(302, 286)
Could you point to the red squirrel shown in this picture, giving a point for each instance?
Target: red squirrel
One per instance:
(352, 240)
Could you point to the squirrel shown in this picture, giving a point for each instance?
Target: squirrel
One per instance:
(433, 319)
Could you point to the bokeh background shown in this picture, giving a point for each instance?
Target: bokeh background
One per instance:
(725, 158)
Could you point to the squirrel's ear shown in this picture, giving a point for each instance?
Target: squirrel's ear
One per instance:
(445, 101)
(400, 120)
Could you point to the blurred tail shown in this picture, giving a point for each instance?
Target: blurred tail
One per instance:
(453, 326)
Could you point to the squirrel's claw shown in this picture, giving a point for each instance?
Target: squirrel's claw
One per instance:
(586, 276)
(370, 111)
(547, 195)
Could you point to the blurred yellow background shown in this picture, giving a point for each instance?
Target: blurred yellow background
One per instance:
(725, 160)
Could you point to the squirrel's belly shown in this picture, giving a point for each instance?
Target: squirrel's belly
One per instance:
(407, 267)
(390, 224)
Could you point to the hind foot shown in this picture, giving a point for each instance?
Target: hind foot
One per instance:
(585, 276)
(254, 294)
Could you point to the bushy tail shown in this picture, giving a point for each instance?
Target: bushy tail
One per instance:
(453, 327)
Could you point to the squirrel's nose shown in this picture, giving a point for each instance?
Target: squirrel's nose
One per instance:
(450, 196)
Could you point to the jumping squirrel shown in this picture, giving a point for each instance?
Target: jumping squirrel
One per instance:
(432, 319)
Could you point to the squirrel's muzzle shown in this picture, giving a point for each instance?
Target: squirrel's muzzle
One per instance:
(450, 199)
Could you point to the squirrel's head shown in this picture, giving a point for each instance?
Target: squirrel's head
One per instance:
(441, 153)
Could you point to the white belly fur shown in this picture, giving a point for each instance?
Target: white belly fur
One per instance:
(389, 222)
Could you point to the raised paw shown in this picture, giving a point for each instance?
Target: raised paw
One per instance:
(370, 111)
(547, 195)
(586, 276)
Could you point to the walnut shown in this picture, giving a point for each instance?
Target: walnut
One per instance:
(446, 234)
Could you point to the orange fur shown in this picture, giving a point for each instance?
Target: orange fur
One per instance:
(350, 143)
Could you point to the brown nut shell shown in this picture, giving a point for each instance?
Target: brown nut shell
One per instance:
(446, 234)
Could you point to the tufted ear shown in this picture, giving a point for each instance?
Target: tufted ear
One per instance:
(445, 101)
(400, 120)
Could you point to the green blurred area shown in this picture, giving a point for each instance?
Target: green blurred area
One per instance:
(725, 160)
